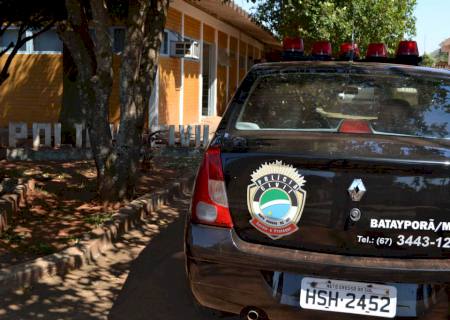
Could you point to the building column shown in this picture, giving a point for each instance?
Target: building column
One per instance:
(238, 59)
(200, 76)
(181, 104)
(216, 55)
(228, 70)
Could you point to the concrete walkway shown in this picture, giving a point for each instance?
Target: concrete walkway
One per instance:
(142, 277)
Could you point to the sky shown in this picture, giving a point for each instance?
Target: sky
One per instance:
(432, 24)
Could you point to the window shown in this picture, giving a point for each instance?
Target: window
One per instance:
(118, 40)
(8, 37)
(165, 43)
(47, 42)
(388, 104)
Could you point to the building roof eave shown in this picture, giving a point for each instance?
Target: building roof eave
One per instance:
(232, 14)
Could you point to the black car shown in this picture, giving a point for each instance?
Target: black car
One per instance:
(326, 194)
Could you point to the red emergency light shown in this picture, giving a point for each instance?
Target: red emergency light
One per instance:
(349, 50)
(407, 48)
(321, 48)
(293, 44)
(376, 50)
(408, 53)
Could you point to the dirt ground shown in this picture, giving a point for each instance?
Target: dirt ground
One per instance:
(64, 205)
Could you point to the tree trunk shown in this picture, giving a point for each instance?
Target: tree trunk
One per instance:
(145, 25)
(117, 165)
(94, 65)
(71, 109)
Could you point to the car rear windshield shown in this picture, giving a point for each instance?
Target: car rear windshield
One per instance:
(387, 104)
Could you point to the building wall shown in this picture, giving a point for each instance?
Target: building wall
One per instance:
(209, 34)
(33, 91)
(222, 74)
(170, 77)
(169, 90)
(242, 59)
(173, 21)
(233, 73)
(180, 80)
(114, 110)
(191, 81)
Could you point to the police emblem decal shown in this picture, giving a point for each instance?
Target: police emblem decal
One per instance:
(276, 199)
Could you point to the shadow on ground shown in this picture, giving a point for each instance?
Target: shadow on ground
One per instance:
(142, 277)
(156, 287)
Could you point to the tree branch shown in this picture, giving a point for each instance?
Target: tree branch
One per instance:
(2, 30)
(103, 46)
(41, 31)
(10, 46)
(19, 43)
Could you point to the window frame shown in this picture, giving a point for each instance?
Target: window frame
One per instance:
(29, 45)
(166, 35)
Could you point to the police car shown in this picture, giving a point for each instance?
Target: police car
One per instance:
(326, 190)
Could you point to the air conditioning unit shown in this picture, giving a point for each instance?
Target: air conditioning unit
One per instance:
(185, 49)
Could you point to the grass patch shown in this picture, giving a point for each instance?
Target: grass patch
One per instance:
(42, 248)
(98, 219)
(12, 237)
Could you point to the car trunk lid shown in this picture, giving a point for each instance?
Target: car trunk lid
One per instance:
(406, 182)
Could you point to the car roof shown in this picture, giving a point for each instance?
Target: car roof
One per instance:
(349, 66)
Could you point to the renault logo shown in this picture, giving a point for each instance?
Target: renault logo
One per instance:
(357, 190)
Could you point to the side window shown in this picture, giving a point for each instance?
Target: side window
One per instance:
(47, 42)
(8, 37)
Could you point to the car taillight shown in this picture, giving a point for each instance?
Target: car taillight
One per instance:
(407, 48)
(348, 51)
(355, 126)
(293, 44)
(321, 48)
(209, 202)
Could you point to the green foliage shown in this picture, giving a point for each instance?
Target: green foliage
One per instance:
(98, 219)
(428, 60)
(439, 56)
(385, 21)
(42, 248)
(30, 14)
(11, 236)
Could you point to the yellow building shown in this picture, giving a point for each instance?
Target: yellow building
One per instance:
(208, 47)
(445, 47)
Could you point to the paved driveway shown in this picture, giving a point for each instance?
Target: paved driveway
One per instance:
(142, 277)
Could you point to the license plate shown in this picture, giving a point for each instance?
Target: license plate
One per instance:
(348, 297)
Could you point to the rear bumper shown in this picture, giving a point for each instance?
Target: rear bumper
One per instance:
(229, 274)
